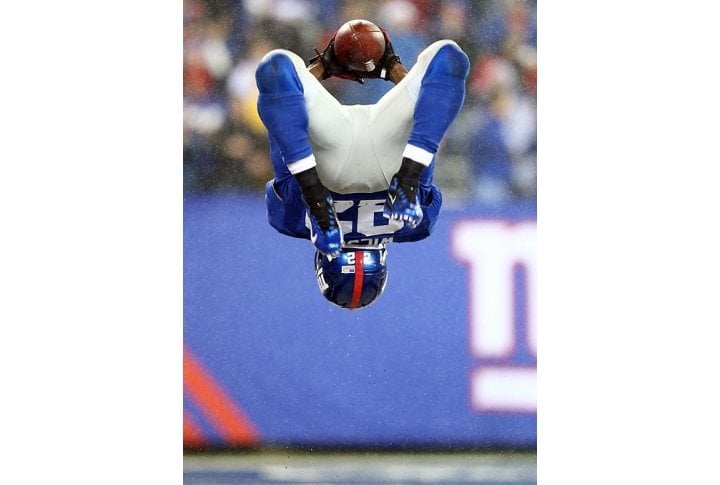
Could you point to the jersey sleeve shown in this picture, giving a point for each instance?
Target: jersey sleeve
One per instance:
(285, 210)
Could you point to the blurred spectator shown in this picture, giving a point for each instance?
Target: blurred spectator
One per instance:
(490, 153)
(502, 19)
(401, 19)
(206, 62)
(451, 21)
(505, 141)
(244, 150)
(503, 85)
(291, 23)
(241, 87)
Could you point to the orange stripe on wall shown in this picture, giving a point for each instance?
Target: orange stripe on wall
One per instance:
(234, 427)
(192, 434)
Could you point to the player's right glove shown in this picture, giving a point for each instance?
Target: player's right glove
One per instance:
(325, 232)
(387, 61)
(332, 66)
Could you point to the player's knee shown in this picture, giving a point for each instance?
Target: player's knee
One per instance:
(450, 60)
(276, 73)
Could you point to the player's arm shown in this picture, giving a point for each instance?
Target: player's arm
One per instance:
(316, 69)
(396, 73)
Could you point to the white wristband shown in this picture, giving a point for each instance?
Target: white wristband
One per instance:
(418, 154)
(301, 165)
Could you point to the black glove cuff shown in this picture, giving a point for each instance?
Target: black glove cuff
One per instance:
(312, 188)
(409, 175)
(410, 170)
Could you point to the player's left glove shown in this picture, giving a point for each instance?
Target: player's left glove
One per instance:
(387, 61)
(403, 204)
(332, 66)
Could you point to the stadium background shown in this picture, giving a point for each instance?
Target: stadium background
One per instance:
(446, 359)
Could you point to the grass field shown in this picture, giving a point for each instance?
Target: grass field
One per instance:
(277, 466)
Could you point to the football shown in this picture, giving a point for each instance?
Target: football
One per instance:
(359, 45)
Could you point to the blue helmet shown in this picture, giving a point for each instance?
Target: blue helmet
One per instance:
(354, 279)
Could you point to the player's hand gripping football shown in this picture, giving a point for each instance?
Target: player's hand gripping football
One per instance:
(332, 66)
(387, 61)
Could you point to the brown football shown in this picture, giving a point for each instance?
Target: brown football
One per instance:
(359, 45)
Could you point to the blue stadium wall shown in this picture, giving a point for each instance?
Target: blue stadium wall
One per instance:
(446, 358)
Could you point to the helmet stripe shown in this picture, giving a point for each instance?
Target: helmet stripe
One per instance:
(357, 288)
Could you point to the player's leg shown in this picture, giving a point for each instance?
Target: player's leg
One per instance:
(441, 92)
(284, 83)
(287, 94)
(424, 103)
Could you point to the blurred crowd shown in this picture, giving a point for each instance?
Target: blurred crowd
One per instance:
(488, 155)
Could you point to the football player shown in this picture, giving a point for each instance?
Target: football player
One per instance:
(354, 178)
